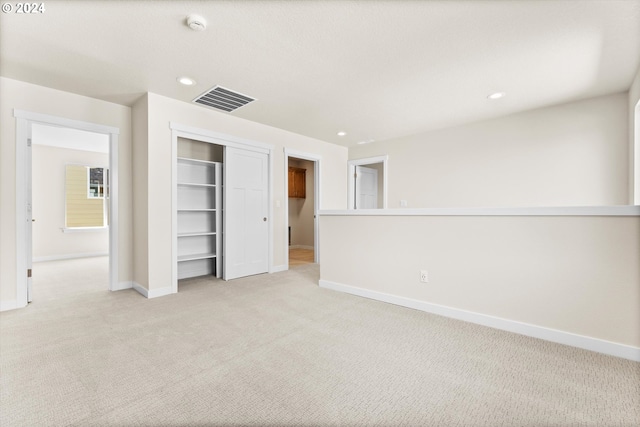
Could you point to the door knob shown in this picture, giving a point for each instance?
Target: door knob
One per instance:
(33, 220)
(264, 219)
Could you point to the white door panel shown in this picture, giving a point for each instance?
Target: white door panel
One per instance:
(246, 234)
(366, 188)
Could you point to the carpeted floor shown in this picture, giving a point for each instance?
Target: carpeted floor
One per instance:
(276, 349)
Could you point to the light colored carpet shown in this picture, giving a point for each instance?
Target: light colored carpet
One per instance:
(276, 349)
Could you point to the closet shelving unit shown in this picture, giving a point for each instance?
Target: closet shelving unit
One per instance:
(199, 210)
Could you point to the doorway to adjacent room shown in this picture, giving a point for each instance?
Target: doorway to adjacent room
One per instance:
(302, 191)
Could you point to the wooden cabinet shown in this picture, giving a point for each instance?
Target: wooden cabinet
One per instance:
(297, 182)
(199, 206)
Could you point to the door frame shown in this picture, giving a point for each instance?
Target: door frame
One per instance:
(24, 122)
(204, 135)
(351, 168)
(317, 160)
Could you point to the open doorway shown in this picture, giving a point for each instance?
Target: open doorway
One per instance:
(302, 188)
(367, 188)
(70, 205)
(301, 211)
(106, 190)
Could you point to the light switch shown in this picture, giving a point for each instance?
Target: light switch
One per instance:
(403, 203)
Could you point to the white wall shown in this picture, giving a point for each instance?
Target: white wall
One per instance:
(634, 141)
(140, 167)
(301, 210)
(162, 111)
(575, 274)
(567, 155)
(39, 99)
(48, 174)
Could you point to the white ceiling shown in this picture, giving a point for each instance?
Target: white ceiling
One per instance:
(375, 69)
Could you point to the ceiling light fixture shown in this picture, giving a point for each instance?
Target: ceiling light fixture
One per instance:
(368, 141)
(186, 81)
(496, 95)
(342, 133)
(196, 22)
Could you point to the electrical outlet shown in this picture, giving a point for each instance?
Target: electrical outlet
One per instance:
(424, 276)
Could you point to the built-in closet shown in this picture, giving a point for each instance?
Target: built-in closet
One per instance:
(199, 208)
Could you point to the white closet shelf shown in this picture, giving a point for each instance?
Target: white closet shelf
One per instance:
(198, 236)
(192, 257)
(201, 233)
(194, 161)
(195, 184)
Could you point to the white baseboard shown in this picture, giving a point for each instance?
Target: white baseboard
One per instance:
(301, 247)
(553, 335)
(141, 290)
(278, 268)
(154, 293)
(8, 305)
(69, 256)
(123, 285)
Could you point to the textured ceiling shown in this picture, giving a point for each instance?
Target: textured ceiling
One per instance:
(375, 69)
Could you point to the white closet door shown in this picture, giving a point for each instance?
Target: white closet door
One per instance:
(246, 198)
(366, 188)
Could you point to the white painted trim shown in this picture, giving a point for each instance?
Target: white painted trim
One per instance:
(140, 289)
(69, 256)
(272, 222)
(24, 120)
(153, 293)
(122, 286)
(530, 211)
(114, 209)
(64, 122)
(302, 155)
(279, 268)
(317, 182)
(83, 229)
(548, 334)
(161, 292)
(23, 131)
(174, 214)
(351, 170)
(206, 135)
(9, 305)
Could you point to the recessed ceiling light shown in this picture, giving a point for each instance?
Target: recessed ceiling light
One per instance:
(342, 133)
(186, 81)
(496, 95)
(368, 141)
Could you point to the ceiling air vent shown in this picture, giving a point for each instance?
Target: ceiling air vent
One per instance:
(223, 99)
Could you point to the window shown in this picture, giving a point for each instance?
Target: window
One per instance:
(96, 180)
(86, 196)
